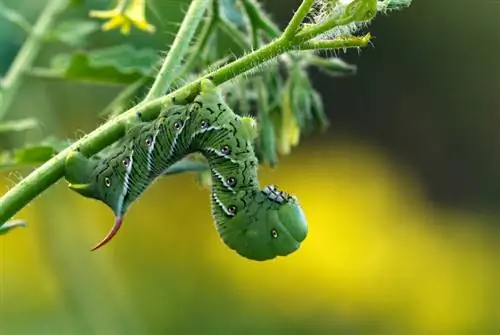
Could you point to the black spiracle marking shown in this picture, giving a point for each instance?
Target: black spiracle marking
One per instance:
(232, 210)
(231, 181)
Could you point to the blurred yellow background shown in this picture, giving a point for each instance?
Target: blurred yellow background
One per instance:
(377, 254)
(381, 256)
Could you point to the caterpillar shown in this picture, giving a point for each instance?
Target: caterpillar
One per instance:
(259, 224)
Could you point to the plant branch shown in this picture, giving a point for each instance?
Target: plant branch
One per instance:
(318, 29)
(199, 47)
(179, 49)
(338, 43)
(297, 18)
(28, 53)
(265, 23)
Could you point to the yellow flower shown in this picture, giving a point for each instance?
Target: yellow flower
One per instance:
(126, 13)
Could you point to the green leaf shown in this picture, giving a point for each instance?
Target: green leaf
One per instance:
(18, 125)
(187, 164)
(319, 111)
(56, 143)
(76, 3)
(120, 64)
(32, 154)
(360, 11)
(8, 226)
(335, 67)
(232, 12)
(14, 17)
(124, 99)
(267, 135)
(392, 5)
(73, 32)
(260, 20)
(301, 102)
(297, 83)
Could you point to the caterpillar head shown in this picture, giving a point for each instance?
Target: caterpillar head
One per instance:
(270, 224)
(101, 180)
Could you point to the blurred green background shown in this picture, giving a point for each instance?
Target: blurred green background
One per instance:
(401, 197)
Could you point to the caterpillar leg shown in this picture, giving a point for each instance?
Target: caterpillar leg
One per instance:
(76, 167)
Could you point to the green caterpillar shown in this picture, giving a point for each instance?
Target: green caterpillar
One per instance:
(258, 224)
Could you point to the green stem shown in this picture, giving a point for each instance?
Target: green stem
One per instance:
(179, 49)
(234, 34)
(255, 13)
(297, 18)
(118, 104)
(339, 43)
(27, 54)
(315, 30)
(199, 47)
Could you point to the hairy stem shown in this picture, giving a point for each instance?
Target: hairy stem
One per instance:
(258, 15)
(27, 54)
(179, 49)
(297, 19)
(315, 30)
(338, 43)
(198, 48)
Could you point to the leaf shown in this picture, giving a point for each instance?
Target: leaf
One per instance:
(33, 154)
(232, 12)
(15, 17)
(56, 143)
(298, 86)
(290, 131)
(267, 135)
(18, 125)
(76, 3)
(8, 226)
(187, 164)
(319, 111)
(393, 5)
(335, 67)
(360, 11)
(124, 99)
(73, 32)
(259, 19)
(301, 102)
(120, 64)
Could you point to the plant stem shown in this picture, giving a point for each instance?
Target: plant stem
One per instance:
(118, 104)
(338, 43)
(179, 49)
(315, 30)
(198, 48)
(265, 23)
(27, 54)
(297, 18)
